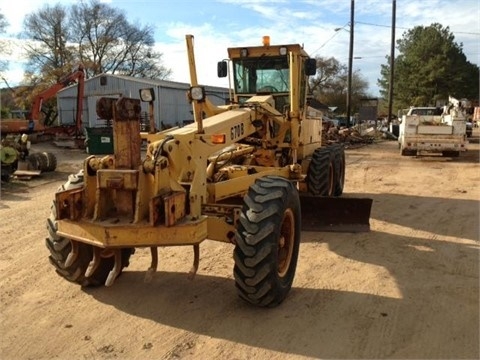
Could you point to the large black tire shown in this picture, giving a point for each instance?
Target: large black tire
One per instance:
(451, 153)
(339, 155)
(38, 161)
(321, 172)
(33, 162)
(267, 241)
(51, 161)
(5, 174)
(407, 152)
(60, 247)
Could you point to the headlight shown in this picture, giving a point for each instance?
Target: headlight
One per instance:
(197, 93)
(147, 95)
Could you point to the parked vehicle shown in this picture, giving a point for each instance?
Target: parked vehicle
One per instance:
(432, 130)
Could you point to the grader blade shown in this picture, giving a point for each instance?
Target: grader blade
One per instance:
(335, 214)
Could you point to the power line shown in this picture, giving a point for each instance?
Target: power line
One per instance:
(378, 25)
(464, 32)
(326, 42)
(404, 28)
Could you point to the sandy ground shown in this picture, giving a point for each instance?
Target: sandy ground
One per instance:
(407, 289)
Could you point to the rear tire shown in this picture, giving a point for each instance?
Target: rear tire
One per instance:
(33, 162)
(451, 153)
(60, 248)
(407, 152)
(267, 242)
(321, 172)
(40, 161)
(51, 160)
(339, 153)
(5, 175)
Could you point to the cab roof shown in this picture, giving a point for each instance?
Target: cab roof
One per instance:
(271, 50)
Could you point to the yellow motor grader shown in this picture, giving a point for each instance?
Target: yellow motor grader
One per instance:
(248, 173)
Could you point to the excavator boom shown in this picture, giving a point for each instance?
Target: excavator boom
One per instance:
(33, 123)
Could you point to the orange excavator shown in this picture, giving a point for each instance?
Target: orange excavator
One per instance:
(33, 124)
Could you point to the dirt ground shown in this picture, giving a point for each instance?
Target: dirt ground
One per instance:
(407, 289)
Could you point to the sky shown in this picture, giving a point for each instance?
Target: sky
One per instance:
(219, 24)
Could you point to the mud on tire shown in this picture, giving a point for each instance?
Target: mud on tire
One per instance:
(60, 248)
(267, 241)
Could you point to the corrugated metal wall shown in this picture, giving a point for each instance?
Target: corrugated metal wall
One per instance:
(171, 106)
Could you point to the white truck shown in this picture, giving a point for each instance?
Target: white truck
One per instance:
(433, 130)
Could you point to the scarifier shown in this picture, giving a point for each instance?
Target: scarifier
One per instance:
(246, 173)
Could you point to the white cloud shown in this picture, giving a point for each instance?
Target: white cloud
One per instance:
(16, 10)
(14, 72)
(308, 22)
(209, 47)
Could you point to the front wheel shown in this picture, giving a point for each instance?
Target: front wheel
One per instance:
(60, 248)
(267, 241)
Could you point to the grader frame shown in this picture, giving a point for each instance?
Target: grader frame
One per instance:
(234, 176)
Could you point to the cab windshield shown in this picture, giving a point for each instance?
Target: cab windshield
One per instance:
(261, 75)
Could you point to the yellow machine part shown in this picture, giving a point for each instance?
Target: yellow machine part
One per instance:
(8, 155)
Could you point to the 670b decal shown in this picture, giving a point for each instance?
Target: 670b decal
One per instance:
(236, 131)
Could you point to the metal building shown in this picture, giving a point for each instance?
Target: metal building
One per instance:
(171, 107)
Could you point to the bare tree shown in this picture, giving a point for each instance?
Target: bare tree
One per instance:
(328, 72)
(108, 43)
(329, 85)
(92, 33)
(48, 54)
(50, 57)
(3, 46)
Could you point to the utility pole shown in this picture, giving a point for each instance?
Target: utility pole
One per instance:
(392, 64)
(350, 61)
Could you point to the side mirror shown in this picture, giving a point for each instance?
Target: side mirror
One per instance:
(222, 69)
(310, 67)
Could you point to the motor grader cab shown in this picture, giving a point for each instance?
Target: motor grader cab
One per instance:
(270, 70)
(242, 173)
